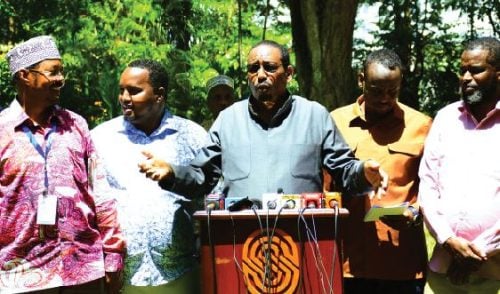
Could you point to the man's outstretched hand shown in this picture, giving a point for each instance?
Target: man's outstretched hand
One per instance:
(377, 177)
(155, 168)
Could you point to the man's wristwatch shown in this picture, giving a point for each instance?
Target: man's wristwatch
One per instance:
(417, 217)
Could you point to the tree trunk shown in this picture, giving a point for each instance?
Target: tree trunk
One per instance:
(322, 33)
(405, 36)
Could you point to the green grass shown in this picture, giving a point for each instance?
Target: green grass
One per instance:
(430, 241)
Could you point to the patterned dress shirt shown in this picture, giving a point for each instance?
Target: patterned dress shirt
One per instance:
(32, 256)
(460, 184)
(156, 223)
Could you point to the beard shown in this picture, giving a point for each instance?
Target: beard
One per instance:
(474, 98)
(479, 96)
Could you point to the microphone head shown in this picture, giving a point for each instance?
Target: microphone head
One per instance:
(257, 204)
(290, 203)
(271, 204)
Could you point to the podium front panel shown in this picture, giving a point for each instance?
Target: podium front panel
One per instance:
(265, 252)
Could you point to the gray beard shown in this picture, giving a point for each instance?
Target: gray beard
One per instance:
(475, 98)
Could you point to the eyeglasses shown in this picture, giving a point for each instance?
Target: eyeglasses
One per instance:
(49, 75)
(268, 67)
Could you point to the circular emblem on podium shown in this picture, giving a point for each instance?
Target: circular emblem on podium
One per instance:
(270, 262)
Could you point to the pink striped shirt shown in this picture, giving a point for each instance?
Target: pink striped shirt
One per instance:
(460, 184)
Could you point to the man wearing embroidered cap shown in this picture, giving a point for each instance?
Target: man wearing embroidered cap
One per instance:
(220, 94)
(37, 61)
(58, 228)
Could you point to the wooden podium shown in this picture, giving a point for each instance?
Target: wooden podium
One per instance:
(263, 252)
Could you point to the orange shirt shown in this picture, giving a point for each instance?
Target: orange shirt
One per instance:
(374, 250)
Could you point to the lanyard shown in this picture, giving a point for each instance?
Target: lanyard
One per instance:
(41, 151)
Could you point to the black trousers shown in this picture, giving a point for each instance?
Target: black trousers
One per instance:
(373, 286)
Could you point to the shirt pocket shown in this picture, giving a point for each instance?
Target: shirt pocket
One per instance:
(9, 169)
(236, 162)
(403, 161)
(304, 161)
(408, 149)
(77, 161)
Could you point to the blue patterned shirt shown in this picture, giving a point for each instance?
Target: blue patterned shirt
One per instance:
(156, 223)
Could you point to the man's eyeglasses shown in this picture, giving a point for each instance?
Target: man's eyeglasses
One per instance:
(49, 75)
(268, 67)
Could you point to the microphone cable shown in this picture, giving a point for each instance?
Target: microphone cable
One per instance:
(301, 246)
(268, 266)
(212, 249)
(312, 238)
(335, 248)
(234, 255)
(260, 239)
(266, 279)
(313, 244)
(270, 238)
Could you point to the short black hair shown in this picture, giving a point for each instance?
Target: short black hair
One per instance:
(384, 56)
(491, 44)
(157, 72)
(285, 56)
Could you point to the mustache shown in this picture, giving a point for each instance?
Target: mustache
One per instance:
(263, 84)
(57, 84)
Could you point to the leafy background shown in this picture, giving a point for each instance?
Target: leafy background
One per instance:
(196, 40)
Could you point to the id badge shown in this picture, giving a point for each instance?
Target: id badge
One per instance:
(47, 209)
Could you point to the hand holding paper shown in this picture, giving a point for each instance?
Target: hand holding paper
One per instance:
(376, 212)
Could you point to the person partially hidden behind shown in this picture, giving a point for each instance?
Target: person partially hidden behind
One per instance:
(389, 255)
(58, 223)
(272, 140)
(156, 223)
(460, 179)
(220, 94)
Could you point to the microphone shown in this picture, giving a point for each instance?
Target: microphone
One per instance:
(271, 204)
(214, 201)
(243, 203)
(311, 200)
(333, 199)
(210, 206)
(289, 204)
(270, 200)
(257, 204)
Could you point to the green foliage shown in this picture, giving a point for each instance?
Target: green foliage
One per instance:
(195, 40)
(198, 39)
(215, 45)
(439, 83)
(6, 89)
(110, 36)
(428, 47)
(97, 40)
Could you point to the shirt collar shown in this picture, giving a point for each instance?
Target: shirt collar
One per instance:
(465, 110)
(19, 116)
(167, 125)
(278, 118)
(360, 119)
